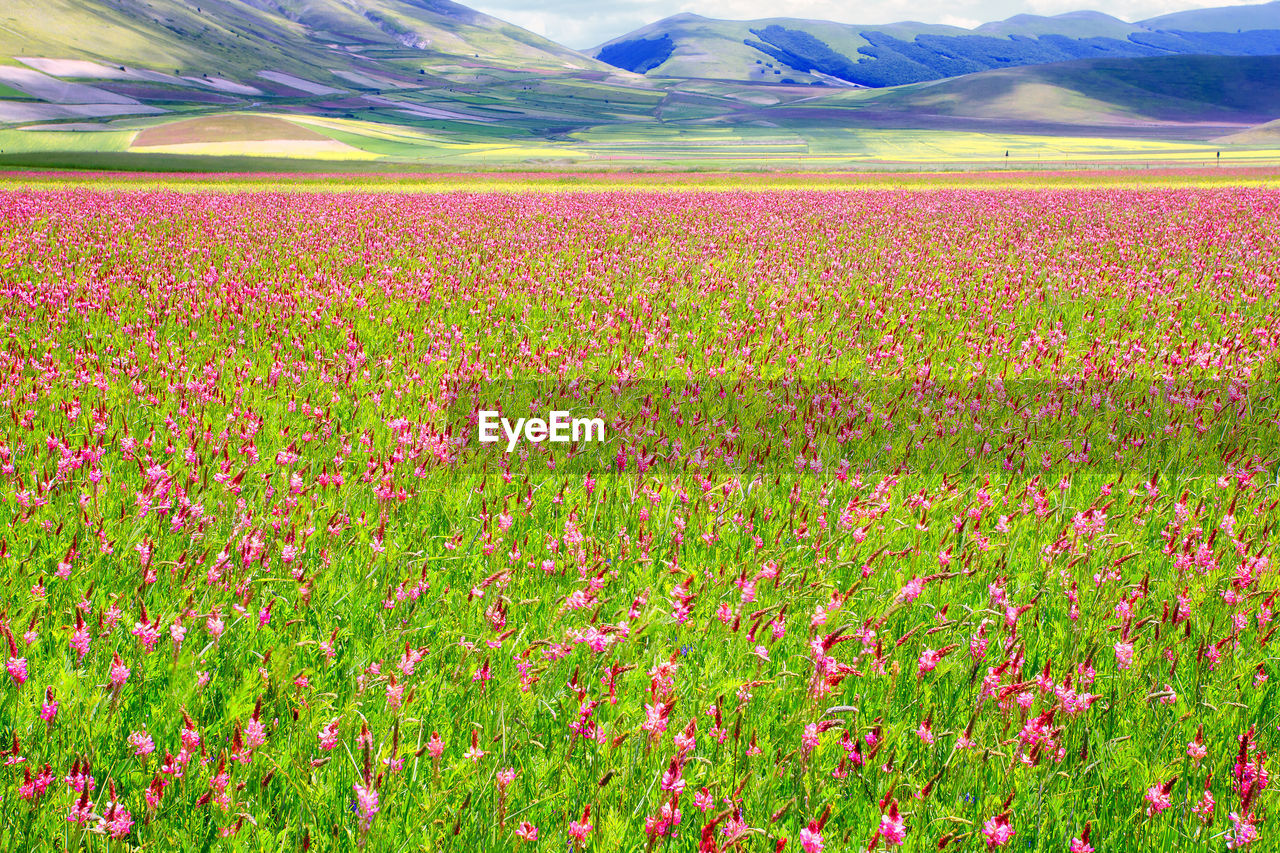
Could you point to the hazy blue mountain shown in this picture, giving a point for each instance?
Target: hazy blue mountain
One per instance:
(801, 51)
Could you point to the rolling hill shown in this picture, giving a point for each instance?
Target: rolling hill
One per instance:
(786, 50)
(1169, 89)
(78, 65)
(267, 46)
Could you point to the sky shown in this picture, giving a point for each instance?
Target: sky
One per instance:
(587, 23)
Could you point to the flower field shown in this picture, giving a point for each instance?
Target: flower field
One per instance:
(927, 518)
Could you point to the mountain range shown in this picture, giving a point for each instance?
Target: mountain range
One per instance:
(790, 50)
(376, 80)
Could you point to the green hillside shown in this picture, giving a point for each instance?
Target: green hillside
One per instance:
(237, 40)
(1125, 91)
(126, 65)
(1264, 134)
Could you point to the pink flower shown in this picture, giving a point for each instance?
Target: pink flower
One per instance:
(1124, 655)
(142, 743)
(664, 822)
(892, 827)
(329, 736)
(366, 804)
(190, 735)
(435, 746)
(475, 753)
(685, 741)
(1158, 797)
(80, 811)
(809, 739)
(119, 673)
(1242, 832)
(928, 662)
(255, 734)
(672, 779)
(395, 694)
(49, 708)
(17, 670)
(811, 838)
(1081, 844)
(998, 831)
(118, 821)
(527, 831)
(911, 591)
(147, 632)
(80, 641)
(580, 829)
(155, 791)
(1205, 807)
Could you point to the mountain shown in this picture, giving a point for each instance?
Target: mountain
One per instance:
(1264, 134)
(1222, 19)
(788, 50)
(72, 61)
(239, 39)
(1170, 90)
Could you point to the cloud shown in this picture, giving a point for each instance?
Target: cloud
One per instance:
(579, 23)
(586, 23)
(535, 22)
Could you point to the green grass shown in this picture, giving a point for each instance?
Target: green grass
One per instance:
(193, 362)
(108, 161)
(56, 144)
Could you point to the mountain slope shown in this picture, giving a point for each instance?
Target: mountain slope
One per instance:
(1263, 134)
(1221, 19)
(415, 61)
(802, 51)
(237, 39)
(1167, 89)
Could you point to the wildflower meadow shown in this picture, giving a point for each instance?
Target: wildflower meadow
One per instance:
(924, 518)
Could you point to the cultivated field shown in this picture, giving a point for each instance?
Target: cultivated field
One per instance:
(802, 139)
(934, 512)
